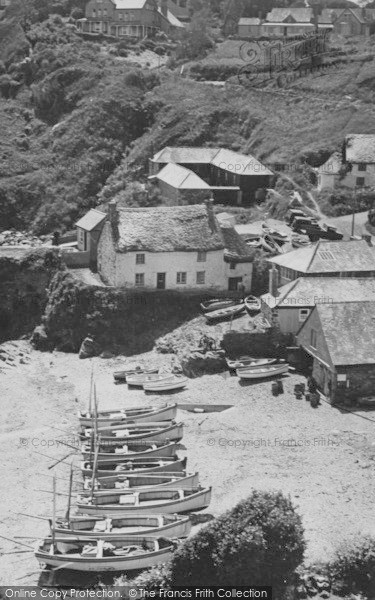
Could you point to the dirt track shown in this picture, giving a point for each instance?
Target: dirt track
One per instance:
(323, 458)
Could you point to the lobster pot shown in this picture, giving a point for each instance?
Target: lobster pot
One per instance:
(280, 386)
(298, 395)
(275, 388)
(303, 388)
(308, 396)
(299, 388)
(314, 399)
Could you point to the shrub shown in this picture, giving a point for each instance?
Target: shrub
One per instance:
(353, 568)
(259, 541)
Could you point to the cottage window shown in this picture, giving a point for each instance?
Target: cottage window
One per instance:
(360, 181)
(99, 12)
(140, 279)
(120, 16)
(93, 12)
(202, 256)
(313, 338)
(303, 314)
(181, 278)
(286, 273)
(140, 259)
(201, 277)
(326, 255)
(104, 12)
(232, 266)
(362, 167)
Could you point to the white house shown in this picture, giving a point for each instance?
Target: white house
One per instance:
(355, 168)
(174, 248)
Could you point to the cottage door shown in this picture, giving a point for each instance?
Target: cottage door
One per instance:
(160, 281)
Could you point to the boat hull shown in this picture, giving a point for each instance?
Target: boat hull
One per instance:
(160, 466)
(253, 305)
(218, 304)
(168, 450)
(226, 313)
(264, 373)
(165, 386)
(189, 482)
(237, 364)
(114, 417)
(173, 433)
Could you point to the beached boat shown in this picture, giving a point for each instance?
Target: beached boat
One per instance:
(124, 452)
(166, 385)
(158, 432)
(142, 466)
(100, 556)
(217, 304)
(253, 305)
(122, 375)
(225, 313)
(147, 414)
(149, 502)
(243, 363)
(81, 527)
(139, 380)
(138, 483)
(263, 372)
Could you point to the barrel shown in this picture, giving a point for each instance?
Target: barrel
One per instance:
(280, 386)
(298, 395)
(308, 396)
(275, 388)
(297, 388)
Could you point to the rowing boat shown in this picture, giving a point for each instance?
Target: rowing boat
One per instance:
(149, 414)
(142, 466)
(158, 432)
(126, 452)
(149, 502)
(253, 305)
(263, 372)
(272, 362)
(100, 556)
(167, 385)
(138, 483)
(246, 362)
(217, 304)
(139, 380)
(123, 375)
(81, 527)
(225, 313)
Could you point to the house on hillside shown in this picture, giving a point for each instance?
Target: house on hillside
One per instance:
(351, 21)
(339, 339)
(292, 22)
(181, 185)
(354, 167)
(249, 28)
(175, 248)
(233, 178)
(129, 18)
(326, 259)
(89, 229)
(180, 9)
(290, 306)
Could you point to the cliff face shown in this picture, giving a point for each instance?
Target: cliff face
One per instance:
(25, 275)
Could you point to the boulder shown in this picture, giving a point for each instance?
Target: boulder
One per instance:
(88, 348)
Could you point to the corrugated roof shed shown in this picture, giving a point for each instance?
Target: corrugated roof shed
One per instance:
(309, 291)
(360, 148)
(349, 331)
(180, 178)
(329, 257)
(91, 220)
(168, 229)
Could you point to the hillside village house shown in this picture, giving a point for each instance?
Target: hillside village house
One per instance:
(174, 248)
(129, 18)
(326, 259)
(180, 185)
(233, 178)
(249, 28)
(351, 21)
(290, 306)
(339, 340)
(290, 22)
(353, 168)
(89, 229)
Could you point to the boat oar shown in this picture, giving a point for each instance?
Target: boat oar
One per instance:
(15, 542)
(32, 516)
(68, 445)
(60, 461)
(49, 492)
(50, 458)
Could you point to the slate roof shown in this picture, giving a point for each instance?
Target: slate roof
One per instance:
(329, 257)
(360, 148)
(180, 178)
(91, 220)
(309, 291)
(185, 155)
(333, 165)
(130, 4)
(349, 331)
(301, 15)
(172, 19)
(168, 229)
(344, 224)
(248, 21)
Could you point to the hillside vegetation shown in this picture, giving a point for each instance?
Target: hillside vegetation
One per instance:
(79, 122)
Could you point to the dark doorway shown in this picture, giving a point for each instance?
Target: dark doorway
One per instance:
(234, 283)
(160, 281)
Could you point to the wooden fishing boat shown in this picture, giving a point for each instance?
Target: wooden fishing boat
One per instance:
(157, 432)
(253, 305)
(124, 452)
(147, 414)
(121, 376)
(149, 502)
(99, 556)
(263, 372)
(138, 483)
(225, 313)
(142, 466)
(166, 385)
(81, 527)
(217, 304)
(272, 362)
(245, 362)
(139, 380)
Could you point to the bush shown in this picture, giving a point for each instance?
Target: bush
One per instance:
(259, 542)
(213, 72)
(353, 568)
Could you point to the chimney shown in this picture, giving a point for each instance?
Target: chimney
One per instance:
(211, 215)
(112, 211)
(273, 281)
(164, 7)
